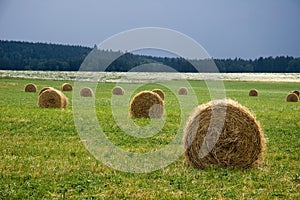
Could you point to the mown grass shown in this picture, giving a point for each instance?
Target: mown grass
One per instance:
(42, 155)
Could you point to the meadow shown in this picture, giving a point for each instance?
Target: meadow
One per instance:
(43, 157)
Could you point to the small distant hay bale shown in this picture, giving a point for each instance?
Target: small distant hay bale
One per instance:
(86, 92)
(296, 92)
(52, 98)
(182, 91)
(146, 104)
(45, 88)
(30, 88)
(66, 87)
(160, 93)
(292, 97)
(241, 142)
(118, 90)
(253, 93)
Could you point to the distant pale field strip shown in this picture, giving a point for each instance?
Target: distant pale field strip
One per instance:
(136, 77)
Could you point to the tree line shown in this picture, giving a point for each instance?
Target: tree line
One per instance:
(16, 55)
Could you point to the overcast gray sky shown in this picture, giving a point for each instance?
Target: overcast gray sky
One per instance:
(225, 28)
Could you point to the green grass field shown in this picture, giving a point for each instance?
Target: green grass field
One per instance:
(42, 156)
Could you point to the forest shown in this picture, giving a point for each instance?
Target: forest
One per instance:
(19, 55)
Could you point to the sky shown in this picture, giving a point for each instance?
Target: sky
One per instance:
(225, 28)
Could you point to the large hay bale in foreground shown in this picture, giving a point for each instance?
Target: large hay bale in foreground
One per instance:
(296, 92)
(253, 93)
(183, 91)
(45, 88)
(66, 87)
(30, 87)
(146, 104)
(86, 92)
(52, 98)
(241, 142)
(292, 97)
(118, 90)
(160, 93)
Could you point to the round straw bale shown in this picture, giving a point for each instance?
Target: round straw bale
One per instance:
(66, 87)
(30, 88)
(253, 93)
(160, 93)
(86, 92)
(183, 91)
(292, 97)
(118, 90)
(52, 98)
(146, 104)
(296, 92)
(239, 142)
(45, 88)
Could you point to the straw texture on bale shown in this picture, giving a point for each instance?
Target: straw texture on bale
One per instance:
(86, 92)
(253, 93)
(296, 92)
(45, 88)
(52, 98)
(118, 90)
(160, 93)
(239, 143)
(30, 88)
(66, 87)
(183, 91)
(146, 104)
(292, 97)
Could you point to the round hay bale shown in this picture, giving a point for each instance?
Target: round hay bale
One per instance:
(66, 87)
(86, 92)
(253, 93)
(182, 91)
(45, 88)
(160, 93)
(239, 143)
(296, 92)
(118, 90)
(30, 88)
(292, 97)
(146, 104)
(52, 98)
